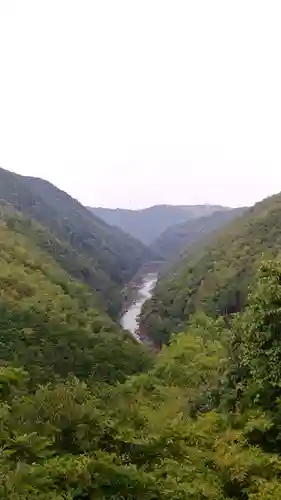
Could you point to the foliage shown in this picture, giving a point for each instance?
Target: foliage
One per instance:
(87, 413)
(257, 364)
(172, 242)
(215, 276)
(158, 435)
(100, 256)
(50, 324)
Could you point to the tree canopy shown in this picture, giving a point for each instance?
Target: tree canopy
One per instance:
(215, 275)
(91, 251)
(177, 238)
(196, 425)
(88, 413)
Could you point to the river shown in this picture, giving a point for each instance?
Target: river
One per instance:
(129, 320)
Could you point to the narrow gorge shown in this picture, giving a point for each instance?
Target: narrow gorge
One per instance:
(129, 320)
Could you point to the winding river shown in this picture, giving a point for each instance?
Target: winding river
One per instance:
(129, 320)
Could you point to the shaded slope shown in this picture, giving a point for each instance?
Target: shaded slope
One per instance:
(50, 324)
(147, 224)
(101, 256)
(172, 242)
(215, 277)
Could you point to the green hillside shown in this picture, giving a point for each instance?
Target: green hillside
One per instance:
(215, 277)
(100, 256)
(89, 413)
(173, 241)
(49, 323)
(148, 224)
(203, 423)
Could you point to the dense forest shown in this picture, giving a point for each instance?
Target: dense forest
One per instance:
(149, 223)
(87, 412)
(201, 422)
(50, 323)
(99, 255)
(214, 274)
(172, 242)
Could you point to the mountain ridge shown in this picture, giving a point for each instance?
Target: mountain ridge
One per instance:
(214, 277)
(148, 223)
(174, 240)
(101, 256)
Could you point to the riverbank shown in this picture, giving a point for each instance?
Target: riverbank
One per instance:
(141, 291)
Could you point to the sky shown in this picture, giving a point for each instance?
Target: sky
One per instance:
(132, 103)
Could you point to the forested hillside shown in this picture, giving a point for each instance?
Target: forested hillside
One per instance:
(149, 223)
(101, 256)
(203, 423)
(173, 241)
(140, 350)
(50, 324)
(89, 413)
(215, 277)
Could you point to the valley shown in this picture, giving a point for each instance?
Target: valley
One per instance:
(129, 320)
(148, 224)
(138, 368)
(140, 250)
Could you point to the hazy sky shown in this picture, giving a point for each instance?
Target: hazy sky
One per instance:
(138, 102)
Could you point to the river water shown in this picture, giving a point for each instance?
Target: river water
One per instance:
(129, 320)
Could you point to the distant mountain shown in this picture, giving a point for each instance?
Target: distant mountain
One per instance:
(214, 277)
(149, 223)
(101, 256)
(170, 244)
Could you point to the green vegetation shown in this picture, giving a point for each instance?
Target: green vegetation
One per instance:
(148, 224)
(52, 325)
(87, 413)
(215, 276)
(202, 424)
(102, 257)
(172, 242)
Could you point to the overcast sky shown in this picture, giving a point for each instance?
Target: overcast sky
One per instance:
(131, 103)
